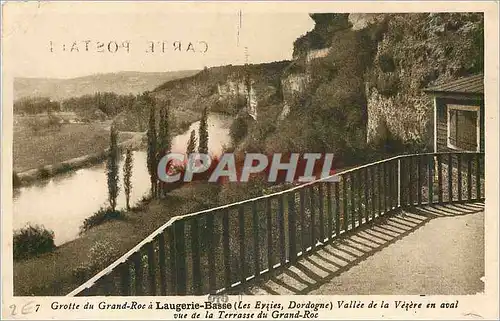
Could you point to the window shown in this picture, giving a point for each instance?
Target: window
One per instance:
(463, 127)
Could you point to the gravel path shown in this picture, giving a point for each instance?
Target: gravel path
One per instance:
(428, 251)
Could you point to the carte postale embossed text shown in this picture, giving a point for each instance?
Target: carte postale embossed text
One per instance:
(126, 46)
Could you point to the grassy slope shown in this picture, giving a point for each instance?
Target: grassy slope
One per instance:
(52, 273)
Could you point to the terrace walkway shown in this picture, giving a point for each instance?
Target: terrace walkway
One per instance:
(429, 250)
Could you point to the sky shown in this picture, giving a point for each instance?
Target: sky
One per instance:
(57, 40)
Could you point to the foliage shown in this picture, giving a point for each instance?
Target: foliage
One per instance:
(101, 216)
(164, 136)
(112, 166)
(38, 124)
(203, 133)
(152, 145)
(32, 240)
(386, 62)
(127, 175)
(43, 172)
(35, 105)
(388, 85)
(108, 103)
(100, 254)
(239, 128)
(191, 145)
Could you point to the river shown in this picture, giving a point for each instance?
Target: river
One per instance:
(63, 202)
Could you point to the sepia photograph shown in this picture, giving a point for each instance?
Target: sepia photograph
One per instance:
(237, 152)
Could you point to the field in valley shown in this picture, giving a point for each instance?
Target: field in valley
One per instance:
(36, 148)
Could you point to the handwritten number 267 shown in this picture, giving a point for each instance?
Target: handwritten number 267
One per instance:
(26, 308)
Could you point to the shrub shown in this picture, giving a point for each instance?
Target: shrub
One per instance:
(100, 254)
(16, 181)
(101, 216)
(32, 240)
(239, 128)
(388, 85)
(64, 168)
(43, 172)
(386, 63)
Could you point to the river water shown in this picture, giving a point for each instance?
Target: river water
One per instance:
(63, 202)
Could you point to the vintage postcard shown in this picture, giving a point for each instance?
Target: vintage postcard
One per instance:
(250, 160)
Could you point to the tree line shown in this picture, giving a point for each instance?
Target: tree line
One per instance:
(107, 103)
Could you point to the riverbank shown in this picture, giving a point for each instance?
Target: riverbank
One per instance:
(71, 264)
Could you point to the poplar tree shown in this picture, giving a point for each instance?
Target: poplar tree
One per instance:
(112, 168)
(127, 175)
(152, 145)
(164, 138)
(203, 133)
(191, 145)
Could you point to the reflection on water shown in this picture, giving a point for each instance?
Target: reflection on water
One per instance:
(63, 202)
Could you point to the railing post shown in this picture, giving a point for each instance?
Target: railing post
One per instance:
(137, 258)
(352, 207)
(337, 209)
(419, 180)
(302, 220)
(431, 179)
(469, 177)
(329, 209)
(269, 219)
(450, 178)
(373, 185)
(410, 181)
(478, 176)
(344, 205)
(256, 239)
(195, 256)
(180, 256)
(161, 259)
(321, 213)
(459, 169)
(211, 253)
(440, 179)
(172, 259)
(313, 214)
(281, 227)
(365, 174)
(151, 268)
(125, 279)
(399, 182)
(225, 249)
(360, 203)
(241, 235)
(292, 228)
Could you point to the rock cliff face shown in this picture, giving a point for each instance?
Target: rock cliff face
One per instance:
(418, 50)
(401, 55)
(228, 89)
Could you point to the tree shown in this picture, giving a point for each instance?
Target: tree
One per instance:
(151, 135)
(191, 146)
(164, 138)
(127, 175)
(112, 168)
(203, 133)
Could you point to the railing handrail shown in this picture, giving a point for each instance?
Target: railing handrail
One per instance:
(174, 219)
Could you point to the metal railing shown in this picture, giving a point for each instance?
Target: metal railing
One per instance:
(218, 249)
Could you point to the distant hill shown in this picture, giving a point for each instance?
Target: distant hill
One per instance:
(126, 82)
